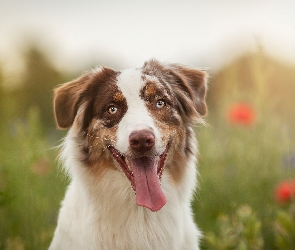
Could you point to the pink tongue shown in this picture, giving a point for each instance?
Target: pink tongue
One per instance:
(148, 189)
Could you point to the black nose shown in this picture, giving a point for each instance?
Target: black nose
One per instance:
(142, 140)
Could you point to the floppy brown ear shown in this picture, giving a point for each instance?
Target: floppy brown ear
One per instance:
(67, 100)
(195, 84)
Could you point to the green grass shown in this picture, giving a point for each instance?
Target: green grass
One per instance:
(31, 188)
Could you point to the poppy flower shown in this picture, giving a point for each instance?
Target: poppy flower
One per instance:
(284, 192)
(241, 114)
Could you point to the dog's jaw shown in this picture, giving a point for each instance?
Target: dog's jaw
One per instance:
(144, 174)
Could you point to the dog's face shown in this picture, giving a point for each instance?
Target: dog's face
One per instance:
(134, 121)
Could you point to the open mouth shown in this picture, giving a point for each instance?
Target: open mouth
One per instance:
(145, 174)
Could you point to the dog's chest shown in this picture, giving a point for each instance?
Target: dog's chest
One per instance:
(139, 231)
(114, 221)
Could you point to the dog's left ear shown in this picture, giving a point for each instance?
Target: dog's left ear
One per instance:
(194, 83)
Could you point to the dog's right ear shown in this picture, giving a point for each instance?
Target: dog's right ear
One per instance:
(67, 99)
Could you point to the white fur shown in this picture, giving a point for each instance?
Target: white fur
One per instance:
(137, 116)
(103, 214)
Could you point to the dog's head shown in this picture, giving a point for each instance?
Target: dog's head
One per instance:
(136, 121)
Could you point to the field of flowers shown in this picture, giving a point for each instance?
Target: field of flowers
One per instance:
(246, 194)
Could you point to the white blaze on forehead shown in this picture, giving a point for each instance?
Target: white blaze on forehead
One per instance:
(137, 116)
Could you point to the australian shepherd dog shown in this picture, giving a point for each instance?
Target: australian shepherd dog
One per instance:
(130, 153)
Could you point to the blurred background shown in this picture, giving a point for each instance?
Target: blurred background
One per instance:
(247, 150)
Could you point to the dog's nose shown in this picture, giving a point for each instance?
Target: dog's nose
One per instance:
(142, 140)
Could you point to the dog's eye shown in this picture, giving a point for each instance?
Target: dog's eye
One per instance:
(112, 110)
(160, 104)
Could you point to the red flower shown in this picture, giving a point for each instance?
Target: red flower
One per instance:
(241, 114)
(284, 192)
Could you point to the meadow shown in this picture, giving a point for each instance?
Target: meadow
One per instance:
(246, 193)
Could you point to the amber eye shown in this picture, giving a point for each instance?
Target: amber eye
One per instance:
(160, 104)
(112, 110)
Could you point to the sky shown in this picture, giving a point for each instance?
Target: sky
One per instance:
(206, 33)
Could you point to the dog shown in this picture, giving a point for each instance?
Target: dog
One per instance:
(131, 156)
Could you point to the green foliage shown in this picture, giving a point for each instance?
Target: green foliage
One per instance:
(285, 229)
(29, 186)
(36, 85)
(240, 231)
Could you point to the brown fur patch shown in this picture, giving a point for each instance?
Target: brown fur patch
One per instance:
(98, 139)
(98, 168)
(150, 89)
(194, 83)
(177, 157)
(153, 68)
(118, 97)
(67, 100)
(151, 94)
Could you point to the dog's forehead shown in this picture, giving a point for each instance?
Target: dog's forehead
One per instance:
(130, 82)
